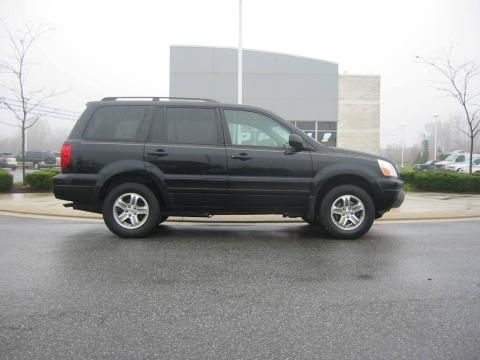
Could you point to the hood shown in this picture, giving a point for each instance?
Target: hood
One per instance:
(444, 162)
(355, 153)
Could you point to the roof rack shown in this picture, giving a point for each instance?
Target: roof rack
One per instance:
(156, 98)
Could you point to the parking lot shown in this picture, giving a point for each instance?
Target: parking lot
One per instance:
(71, 289)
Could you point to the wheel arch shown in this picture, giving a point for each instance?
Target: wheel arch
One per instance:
(325, 183)
(143, 176)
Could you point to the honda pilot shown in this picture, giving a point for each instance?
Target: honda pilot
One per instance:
(138, 161)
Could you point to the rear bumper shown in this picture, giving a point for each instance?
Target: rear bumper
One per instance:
(79, 189)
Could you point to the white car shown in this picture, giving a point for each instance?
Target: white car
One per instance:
(454, 158)
(7, 160)
(465, 164)
(464, 170)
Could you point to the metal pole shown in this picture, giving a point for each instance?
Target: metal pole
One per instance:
(240, 53)
(403, 141)
(435, 138)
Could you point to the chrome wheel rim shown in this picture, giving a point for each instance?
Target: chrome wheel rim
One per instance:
(130, 210)
(347, 212)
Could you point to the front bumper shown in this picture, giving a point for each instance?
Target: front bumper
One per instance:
(391, 194)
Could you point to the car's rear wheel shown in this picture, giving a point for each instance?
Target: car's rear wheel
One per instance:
(347, 212)
(131, 210)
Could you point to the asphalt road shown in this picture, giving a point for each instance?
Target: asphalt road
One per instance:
(73, 290)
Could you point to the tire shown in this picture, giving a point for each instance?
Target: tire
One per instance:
(139, 203)
(331, 218)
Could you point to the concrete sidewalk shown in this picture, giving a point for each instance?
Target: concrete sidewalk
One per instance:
(417, 206)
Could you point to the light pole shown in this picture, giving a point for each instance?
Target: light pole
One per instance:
(435, 116)
(402, 127)
(240, 53)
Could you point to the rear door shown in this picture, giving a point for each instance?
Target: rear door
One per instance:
(265, 174)
(186, 145)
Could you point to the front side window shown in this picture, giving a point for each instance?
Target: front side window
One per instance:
(185, 126)
(248, 128)
(115, 122)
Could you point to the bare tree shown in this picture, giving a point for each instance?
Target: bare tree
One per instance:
(458, 82)
(17, 96)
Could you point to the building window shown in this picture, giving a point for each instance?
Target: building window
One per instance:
(325, 132)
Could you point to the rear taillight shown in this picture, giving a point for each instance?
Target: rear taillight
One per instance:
(66, 156)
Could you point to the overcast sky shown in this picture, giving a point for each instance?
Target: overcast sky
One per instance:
(101, 48)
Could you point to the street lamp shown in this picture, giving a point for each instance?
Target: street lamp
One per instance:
(402, 127)
(435, 116)
(240, 53)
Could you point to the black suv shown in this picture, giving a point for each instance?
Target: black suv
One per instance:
(138, 161)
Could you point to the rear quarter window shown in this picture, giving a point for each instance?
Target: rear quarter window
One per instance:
(115, 123)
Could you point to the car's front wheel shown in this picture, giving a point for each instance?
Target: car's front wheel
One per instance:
(131, 210)
(347, 212)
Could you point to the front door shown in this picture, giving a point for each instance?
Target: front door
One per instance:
(264, 173)
(186, 145)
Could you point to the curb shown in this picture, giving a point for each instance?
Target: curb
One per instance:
(412, 218)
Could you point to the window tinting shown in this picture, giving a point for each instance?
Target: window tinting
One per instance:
(120, 122)
(253, 129)
(185, 126)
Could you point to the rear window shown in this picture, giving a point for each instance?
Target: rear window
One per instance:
(185, 126)
(117, 122)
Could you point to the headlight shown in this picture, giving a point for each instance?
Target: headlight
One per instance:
(387, 168)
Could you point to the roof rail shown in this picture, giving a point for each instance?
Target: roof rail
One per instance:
(156, 98)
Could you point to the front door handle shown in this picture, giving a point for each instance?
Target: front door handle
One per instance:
(241, 156)
(158, 152)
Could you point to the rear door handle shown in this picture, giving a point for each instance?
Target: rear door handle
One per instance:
(241, 156)
(158, 153)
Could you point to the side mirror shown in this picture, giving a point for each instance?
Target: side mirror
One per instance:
(295, 141)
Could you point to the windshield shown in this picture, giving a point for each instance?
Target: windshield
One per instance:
(451, 157)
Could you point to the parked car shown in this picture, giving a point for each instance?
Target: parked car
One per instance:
(466, 170)
(465, 164)
(139, 162)
(57, 158)
(452, 158)
(7, 160)
(37, 159)
(429, 165)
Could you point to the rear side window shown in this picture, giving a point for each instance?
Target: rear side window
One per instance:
(119, 122)
(185, 126)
